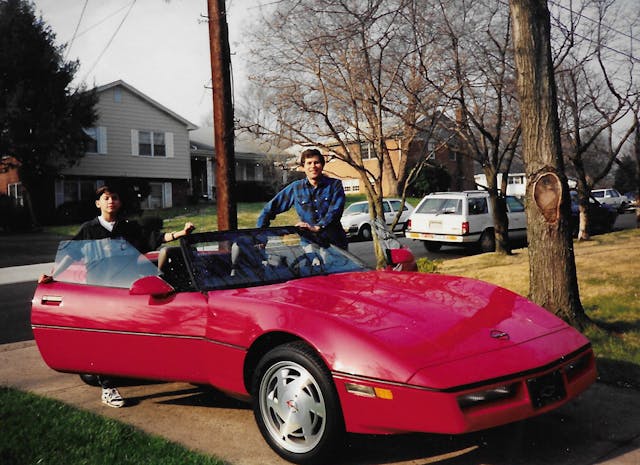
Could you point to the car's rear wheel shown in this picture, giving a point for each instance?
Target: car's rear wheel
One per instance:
(91, 380)
(296, 405)
(365, 233)
(487, 241)
(432, 246)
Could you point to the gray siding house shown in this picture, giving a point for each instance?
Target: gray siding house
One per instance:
(135, 137)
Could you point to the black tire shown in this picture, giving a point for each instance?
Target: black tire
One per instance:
(365, 233)
(432, 246)
(303, 424)
(91, 380)
(487, 242)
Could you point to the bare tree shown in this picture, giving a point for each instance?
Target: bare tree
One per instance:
(595, 92)
(336, 74)
(553, 279)
(475, 72)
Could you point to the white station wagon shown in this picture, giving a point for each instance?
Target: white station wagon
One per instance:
(462, 218)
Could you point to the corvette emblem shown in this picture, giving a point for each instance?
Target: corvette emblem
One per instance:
(497, 334)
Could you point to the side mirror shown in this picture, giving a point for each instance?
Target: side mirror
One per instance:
(402, 260)
(151, 285)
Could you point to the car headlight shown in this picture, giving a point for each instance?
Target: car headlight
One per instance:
(486, 395)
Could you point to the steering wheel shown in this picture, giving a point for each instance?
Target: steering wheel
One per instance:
(308, 258)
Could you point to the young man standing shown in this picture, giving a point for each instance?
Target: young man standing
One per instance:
(319, 201)
(110, 225)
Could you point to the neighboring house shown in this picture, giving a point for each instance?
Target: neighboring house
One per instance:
(516, 183)
(438, 149)
(134, 137)
(255, 161)
(10, 181)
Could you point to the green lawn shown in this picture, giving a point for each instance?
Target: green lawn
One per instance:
(35, 430)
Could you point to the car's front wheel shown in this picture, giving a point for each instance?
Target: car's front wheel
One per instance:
(296, 405)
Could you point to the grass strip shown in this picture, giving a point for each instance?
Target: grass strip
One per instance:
(35, 430)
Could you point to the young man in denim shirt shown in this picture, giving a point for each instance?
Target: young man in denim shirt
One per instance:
(318, 199)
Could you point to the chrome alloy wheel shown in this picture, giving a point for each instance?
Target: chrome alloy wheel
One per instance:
(292, 407)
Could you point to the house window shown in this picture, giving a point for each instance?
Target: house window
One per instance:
(151, 144)
(367, 151)
(160, 196)
(351, 185)
(15, 191)
(92, 145)
(75, 190)
(452, 156)
(97, 139)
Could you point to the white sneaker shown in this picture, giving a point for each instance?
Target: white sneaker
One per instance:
(112, 398)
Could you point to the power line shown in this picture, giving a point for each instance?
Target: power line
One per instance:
(606, 26)
(94, 25)
(75, 31)
(588, 39)
(110, 40)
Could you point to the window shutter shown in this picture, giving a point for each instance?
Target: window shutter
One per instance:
(59, 187)
(135, 148)
(168, 198)
(168, 143)
(102, 139)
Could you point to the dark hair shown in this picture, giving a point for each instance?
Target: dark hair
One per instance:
(311, 153)
(102, 189)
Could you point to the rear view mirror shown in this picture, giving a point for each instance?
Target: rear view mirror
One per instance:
(151, 285)
(402, 260)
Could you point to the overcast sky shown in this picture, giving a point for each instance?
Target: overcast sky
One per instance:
(159, 47)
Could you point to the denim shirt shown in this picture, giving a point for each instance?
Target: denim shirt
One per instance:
(319, 206)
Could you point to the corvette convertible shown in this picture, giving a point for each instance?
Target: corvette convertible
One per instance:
(317, 342)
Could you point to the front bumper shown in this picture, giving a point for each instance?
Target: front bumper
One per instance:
(447, 411)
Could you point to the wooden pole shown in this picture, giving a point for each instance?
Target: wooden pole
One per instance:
(222, 115)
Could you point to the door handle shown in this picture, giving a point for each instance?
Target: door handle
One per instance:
(51, 300)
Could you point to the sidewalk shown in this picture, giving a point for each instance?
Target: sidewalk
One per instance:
(600, 427)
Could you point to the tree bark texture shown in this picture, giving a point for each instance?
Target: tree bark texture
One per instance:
(552, 270)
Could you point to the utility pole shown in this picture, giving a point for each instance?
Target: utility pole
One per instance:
(222, 115)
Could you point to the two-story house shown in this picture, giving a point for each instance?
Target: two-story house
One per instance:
(134, 137)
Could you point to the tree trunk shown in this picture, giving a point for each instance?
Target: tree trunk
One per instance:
(553, 280)
(636, 149)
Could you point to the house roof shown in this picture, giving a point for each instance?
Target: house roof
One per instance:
(245, 145)
(190, 126)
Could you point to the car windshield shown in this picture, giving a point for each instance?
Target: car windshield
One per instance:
(356, 208)
(104, 262)
(440, 206)
(244, 258)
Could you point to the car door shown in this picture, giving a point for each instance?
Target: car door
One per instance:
(105, 329)
(517, 218)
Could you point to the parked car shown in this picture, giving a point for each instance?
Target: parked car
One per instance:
(318, 343)
(463, 218)
(610, 197)
(356, 220)
(602, 217)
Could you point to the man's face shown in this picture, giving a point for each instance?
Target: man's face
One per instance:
(312, 167)
(109, 203)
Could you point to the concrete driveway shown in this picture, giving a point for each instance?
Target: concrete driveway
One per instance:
(600, 427)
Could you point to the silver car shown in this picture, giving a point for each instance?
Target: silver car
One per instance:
(356, 220)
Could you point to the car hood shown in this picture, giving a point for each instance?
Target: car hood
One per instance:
(407, 320)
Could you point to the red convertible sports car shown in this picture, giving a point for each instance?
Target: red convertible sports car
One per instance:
(319, 343)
